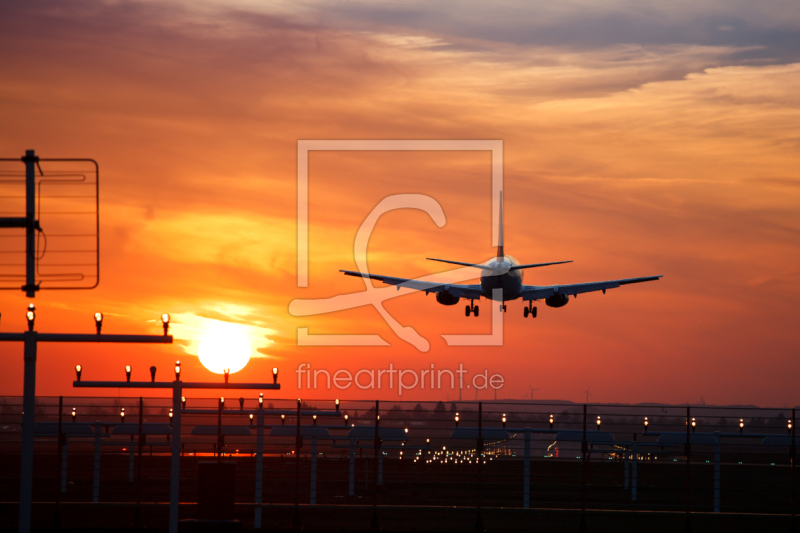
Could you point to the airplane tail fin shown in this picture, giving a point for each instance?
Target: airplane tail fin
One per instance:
(500, 251)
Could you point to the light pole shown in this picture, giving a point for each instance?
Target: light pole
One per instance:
(31, 340)
(177, 397)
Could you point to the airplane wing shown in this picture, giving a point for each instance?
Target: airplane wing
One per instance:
(470, 292)
(530, 292)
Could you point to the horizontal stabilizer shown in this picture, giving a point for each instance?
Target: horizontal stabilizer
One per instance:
(534, 265)
(482, 267)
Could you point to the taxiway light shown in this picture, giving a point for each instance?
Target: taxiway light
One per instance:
(98, 322)
(337, 405)
(170, 416)
(646, 423)
(78, 370)
(283, 420)
(456, 420)
(241, 404)
(177, 370)
(153, 374)
(31, 316)
(74, 414)
(274, 375)
(345, 419)
(598, 422)
(741, 425)
(789, 424)
(694, 425)
(128, 373)
(315, 419)
(122, 415)
(260, 400)
(551, 421)
(251, 419)
(222, 402)
(504, 420)
(165, 322)
(183, 402)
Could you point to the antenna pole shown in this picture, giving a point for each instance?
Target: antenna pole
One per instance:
(30, 161)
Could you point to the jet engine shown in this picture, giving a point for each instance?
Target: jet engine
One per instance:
(557, 300)
(445, 298)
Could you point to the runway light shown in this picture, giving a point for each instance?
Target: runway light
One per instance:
(221, 403)
(456, 420)
(122, 415)
(406, 430)
(790, 426)
(427, 441)
(741, 425)
(153, 374)
(241, 404)
(251, 419)
(260, 400)
(337, 405)
(283, 420)
(128, 373)
(165, 322)
(274, 375)
(98, 322)
(170, 416)
(74, 414)
(183, 402)
(694, 425)
(551, 421)
(345, 419)
(646, 423)
(227, 373)
(177, 370)
(31, 316)
(504, 420)
(598, 422)
(315, 419)
(78, 370)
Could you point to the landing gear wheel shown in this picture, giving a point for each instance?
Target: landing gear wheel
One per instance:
(503, 307)
(467, 311)
(525, 312)
(533, 312)
(475, 310)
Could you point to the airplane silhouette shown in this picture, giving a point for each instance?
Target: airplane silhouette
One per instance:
(505, 273)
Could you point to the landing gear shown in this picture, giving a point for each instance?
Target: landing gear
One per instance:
(503, 307)
(529, 311)
(474, 309)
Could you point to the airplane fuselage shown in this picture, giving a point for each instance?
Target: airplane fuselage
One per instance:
(510, 281)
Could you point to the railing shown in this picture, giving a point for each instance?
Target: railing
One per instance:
(733, 459)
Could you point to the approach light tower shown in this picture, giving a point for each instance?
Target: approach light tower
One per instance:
(31, 340)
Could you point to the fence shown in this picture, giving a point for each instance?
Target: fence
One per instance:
(467, 454)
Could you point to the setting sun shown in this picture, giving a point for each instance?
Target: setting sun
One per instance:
(223, 346)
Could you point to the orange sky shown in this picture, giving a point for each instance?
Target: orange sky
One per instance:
(663, 143)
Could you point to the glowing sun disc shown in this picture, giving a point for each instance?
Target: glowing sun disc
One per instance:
(224, 346)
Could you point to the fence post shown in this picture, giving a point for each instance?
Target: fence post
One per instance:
(526, 477)
(352, 484)
(313, 471)
(98, 427)
(716, 476)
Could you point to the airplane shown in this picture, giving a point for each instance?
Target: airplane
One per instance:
(502, 272)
